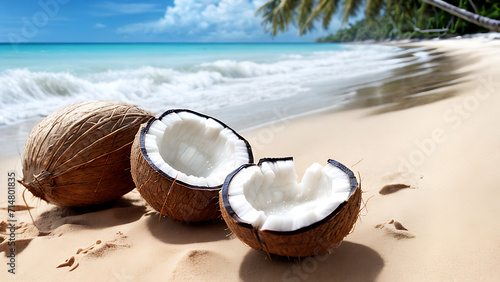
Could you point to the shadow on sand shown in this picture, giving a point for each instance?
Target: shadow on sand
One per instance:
(348, 262)
(172, 232)
(117, 212)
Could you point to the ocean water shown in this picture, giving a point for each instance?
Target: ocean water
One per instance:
(37, 79)
(245, 85)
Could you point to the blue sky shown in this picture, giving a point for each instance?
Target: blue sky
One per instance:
(140, 21)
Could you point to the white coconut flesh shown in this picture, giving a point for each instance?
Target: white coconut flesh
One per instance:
(194, 149)
(269, 198)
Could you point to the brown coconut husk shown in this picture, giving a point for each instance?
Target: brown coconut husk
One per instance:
(319, 238)
(79, 155)
(170, 197)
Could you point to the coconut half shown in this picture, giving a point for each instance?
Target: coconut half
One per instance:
(180, 160)
(268, 210)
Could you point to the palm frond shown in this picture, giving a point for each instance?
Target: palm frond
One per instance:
(350, 8)
(277, 14)
(328, 10)
(305, 10)
(315, 13)
(373, 8)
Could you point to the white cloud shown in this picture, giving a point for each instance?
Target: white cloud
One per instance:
(99, 25)
(209, 20)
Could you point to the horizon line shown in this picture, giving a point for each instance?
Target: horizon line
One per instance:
(153, 42)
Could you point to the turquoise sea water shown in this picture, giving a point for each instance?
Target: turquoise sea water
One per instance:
(85, 58)
(36, 79)
(245, 85)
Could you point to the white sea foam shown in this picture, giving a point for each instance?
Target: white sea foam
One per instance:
(215, 84)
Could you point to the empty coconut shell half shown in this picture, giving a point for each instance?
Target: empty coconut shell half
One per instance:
(80, 155)
(180, 160)
(268, 210)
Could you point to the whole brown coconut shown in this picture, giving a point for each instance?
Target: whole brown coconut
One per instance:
(260, 204)
(79, 155)
(179, 162)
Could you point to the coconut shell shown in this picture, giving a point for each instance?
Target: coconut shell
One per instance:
(172, 198)
(79, 155)
(315, 239)
(169, 197)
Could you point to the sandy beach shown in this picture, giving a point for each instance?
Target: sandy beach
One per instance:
(430, 210)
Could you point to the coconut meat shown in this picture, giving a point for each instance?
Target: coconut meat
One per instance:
(196, 150)
(269, 198)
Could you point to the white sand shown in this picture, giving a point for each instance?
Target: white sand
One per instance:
(447, 153)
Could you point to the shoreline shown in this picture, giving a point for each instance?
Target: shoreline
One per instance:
(320, 97)
(430, 210)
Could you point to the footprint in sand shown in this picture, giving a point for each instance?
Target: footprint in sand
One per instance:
(392, 188)
(98, 249)
(399, 181)
(396, 229)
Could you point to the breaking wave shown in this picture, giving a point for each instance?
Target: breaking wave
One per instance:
(26, 93)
